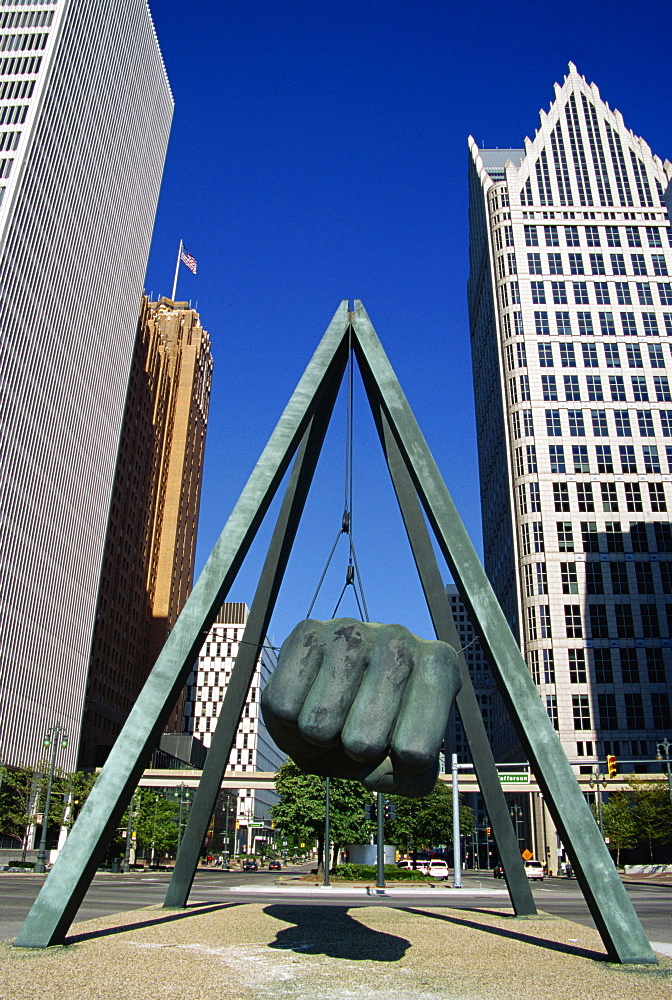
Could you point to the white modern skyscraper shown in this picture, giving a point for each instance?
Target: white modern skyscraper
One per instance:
(254, 749)
(570, 300)
(85, 113)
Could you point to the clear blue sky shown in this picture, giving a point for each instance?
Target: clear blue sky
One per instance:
(318, 153)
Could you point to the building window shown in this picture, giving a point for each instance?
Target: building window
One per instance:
(661, 386)
(590, 355)
(632, 236)
(581, 711)
(650, 623)
(589, 536)
(572, 392)
(618, 263)
(666, 422)
(634, 710)
(655, 354)
(599, 418)
(592, 236)
(545, 355)
(604, 671)
(602, 293)
(660, 707)
(564, 328)
(657, 497)
(644, 577)
(553, 428)
(663, 532)
(572, 236)
(561, 497)
(627, 455)
(584, 494)
(613, 236)
(576, 425)
(555, 263)
(596, 263)
(538, 293)
(549, 388)
(541, 327)
(567, 357)
(573, 629)
(557, 458)
(606, 708)
(645, 421)
(570, 584)
(552, 709)
(628, 324)
(623, 293)
(531, 237)
(586, 330)
(534, 263)
(638, 537)
(551, 236)
(622, 421)
(655, 666)
(617, 388)
(609, 497)
(634, 353)
(651, 459)
(653, 237)
(614, 536)
(576, 264)
(594, 578)
(531, 453)
(565, 536)
(597, 618)
(559, 292)
(581, 294)
(651, 330)
(594, 384)
(577, 666)
(580, 458)
(604, 460)
(633, 497)
(619, 578)
(659, 265)
(665, 293)
(639, 388)
(611, 356)
(625, 626)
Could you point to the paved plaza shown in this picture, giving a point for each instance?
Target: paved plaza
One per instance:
(288, 950)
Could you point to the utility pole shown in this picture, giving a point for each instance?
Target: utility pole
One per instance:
(54, 735)
(664, 748)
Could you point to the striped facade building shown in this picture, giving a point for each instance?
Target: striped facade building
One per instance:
(253, 750)
(570, 298)
(85, 114)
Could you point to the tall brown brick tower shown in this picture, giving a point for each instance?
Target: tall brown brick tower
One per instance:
(151, 535)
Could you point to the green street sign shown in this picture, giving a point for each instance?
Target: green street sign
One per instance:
(514, 778)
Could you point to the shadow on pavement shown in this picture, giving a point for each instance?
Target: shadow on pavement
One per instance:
(330, 930)
(168, 916)
(539, 942)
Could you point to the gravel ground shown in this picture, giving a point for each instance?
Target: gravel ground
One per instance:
(286, 951)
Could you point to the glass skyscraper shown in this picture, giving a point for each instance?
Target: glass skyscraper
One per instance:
(85, 114)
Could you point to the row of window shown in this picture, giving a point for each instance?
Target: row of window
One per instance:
(612, 235)
(602, 293)
(608, 715)
(586, 497)
(23, 43)
(27, 18)
(616, 621)
(516, 354)
(532, 538)
(595, 387)
(20, 65)
(576, 265)
(599, 422)
(612, 538)
(640, 578)
(525, 459)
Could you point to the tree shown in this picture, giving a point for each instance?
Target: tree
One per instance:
(652, 810)
(620, 823)
(300, 812)
(424, 823)
(155, 822)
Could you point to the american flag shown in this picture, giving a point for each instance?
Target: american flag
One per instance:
(187, 259)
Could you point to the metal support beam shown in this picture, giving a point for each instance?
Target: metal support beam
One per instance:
(55, 907)
(243, 670)
(438, 604)
(611, 909)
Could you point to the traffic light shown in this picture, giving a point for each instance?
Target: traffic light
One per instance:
(611, 766)
(390, 811)
(370, 812)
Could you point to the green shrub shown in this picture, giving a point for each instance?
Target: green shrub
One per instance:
(367, 873)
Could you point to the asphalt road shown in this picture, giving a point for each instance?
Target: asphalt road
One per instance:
(113, 894)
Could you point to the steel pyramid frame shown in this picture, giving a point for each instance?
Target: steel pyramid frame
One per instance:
(423, 499)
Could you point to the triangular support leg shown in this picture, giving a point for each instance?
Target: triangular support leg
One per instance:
(438, 604)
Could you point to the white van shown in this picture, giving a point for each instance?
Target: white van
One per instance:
(436, 868)
(533, 869)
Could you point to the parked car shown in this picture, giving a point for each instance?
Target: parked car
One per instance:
(534, 869)
(250, 866)
(436, 868)
(274, 866)
(498, 871)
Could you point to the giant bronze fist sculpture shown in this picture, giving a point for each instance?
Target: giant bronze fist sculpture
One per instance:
(365, 701)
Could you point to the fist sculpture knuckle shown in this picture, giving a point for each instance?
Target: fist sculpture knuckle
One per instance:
(362, 700)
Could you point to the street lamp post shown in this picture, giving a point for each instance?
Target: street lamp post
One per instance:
(595, 781)
(516, 816)
(129, 833)
(664, 748)
(54, 735)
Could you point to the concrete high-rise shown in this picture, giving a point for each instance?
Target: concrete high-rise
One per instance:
(148, 563)
(570, 301)
(85, 114)
(254, 750)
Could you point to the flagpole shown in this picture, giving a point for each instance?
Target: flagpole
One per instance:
(177, 269)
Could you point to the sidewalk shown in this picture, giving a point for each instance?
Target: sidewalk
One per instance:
(288, 951)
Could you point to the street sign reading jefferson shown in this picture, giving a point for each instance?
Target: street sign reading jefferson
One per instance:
(514, 777)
